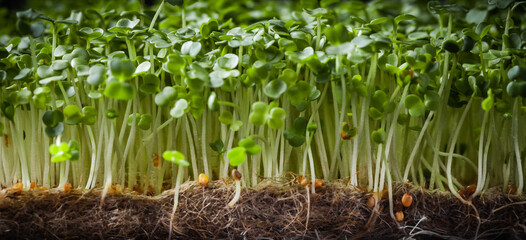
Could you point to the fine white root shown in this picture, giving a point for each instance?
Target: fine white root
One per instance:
(236, 196)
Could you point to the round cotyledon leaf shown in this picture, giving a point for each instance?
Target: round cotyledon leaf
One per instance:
(122, 69)
(120, 90)
(237, 156)
(176, 157)
(179, 108)
(275, 88)
(415, 105)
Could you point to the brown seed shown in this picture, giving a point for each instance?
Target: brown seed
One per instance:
(300, 178)
(18, 186)
(155, 160)
(512, 189)
(33, 184)
(118, 188)
(467, 191)
(304, 182)
(203, 180)
(318, 183)
(399, 216)
(371, 202)
(407, 200)
(67, 187)
(345, 136)
(236, 175)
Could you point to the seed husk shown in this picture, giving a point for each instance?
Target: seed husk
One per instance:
(236, 175)
(203, 180)
(407, 200)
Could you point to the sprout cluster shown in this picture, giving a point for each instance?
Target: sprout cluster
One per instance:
(376, 93)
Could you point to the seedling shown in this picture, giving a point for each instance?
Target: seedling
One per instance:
(237, 177)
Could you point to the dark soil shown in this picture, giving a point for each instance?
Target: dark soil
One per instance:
(276, 209)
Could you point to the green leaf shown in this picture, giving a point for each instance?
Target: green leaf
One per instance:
(259, 113)
(124, 25)
(362, 41)
(52, 118)
(476, 16)
(54, 149)
(517, 73)
(175, 64)
(275, 88)
(41, 97)
(237, 156)
(23, 96)
(312, 127)
(111, 113)
(217, 145)
(23, 27)
(122, 69)
(208, 27)
(299, 92)
(379, 136)
(228, 61)
(379, 100)
(198, 77)
(501, 3)
(176, 157)
(415, 105)
(432, 100)
(288, 76)
(145, 121)
(48, 80)
(150, 84)
(37, 29)
(296, 135)
(72, 114)
(277, 118)
(251, 148)
(24, 73)
(179, 108)
(235, 126)
(74, 148)
(175, 2)
(96, 75)
(404, 17)
(212, 102)
(28, 15)
(55, 130)
(8, 110)
(451, 46)
(468, 45)
(375, 114)
(191, 48)
(143, 68)
(45, 71)
(521, 88)
(487, 104)
(166, 97)
(90, 33)
(379, 20)
(120, 90)
(513, 89)
(226, 117)
(89, 115)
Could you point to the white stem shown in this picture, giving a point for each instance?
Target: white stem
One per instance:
(176, 197)
(237, 195)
